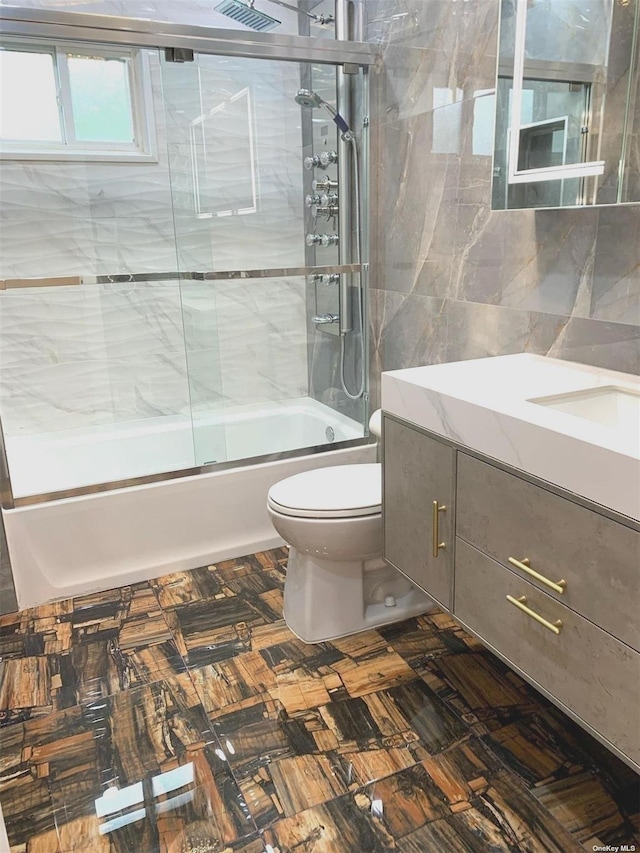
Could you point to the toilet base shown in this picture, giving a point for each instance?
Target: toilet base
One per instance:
(325, 599)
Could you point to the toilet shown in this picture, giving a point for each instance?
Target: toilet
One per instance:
(337, 582)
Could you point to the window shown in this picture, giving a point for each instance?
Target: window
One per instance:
(75, 102)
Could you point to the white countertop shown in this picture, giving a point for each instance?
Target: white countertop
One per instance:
(485, 405)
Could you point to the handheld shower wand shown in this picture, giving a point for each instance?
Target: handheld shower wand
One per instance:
(307, 98)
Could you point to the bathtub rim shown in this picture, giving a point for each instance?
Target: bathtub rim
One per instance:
(8, 501)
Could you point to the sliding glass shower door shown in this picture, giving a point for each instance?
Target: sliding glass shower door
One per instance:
(173, 290)
(243, 205)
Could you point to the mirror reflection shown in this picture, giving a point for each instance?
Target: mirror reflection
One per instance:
(567, 119)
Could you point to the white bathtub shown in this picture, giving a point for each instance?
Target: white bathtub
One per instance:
(77, 545)
(66, 459)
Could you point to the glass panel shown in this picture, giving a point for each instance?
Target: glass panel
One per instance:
(127, 359)
(93, 371)
(29, 97)
(101, 98)
(238, 141)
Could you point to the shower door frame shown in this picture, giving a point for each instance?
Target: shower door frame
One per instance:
(158, 35)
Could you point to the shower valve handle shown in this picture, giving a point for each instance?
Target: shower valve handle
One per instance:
(329, 240)
(314, 239)
(311, 200)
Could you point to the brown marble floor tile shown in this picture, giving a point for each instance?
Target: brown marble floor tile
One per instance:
(469, 805)
(57, 656)
(253, 575)
(581, 803)
(289, 762)
(411, 738)
(151, 742)
(418, 640)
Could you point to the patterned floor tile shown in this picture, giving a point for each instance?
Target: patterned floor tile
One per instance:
(304, 724)
(213, 612)
(139, 770)
(183, 715)
(255, 574)
(581, 803)
(462, 801)
(60, 655)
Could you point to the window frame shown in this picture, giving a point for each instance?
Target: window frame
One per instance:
(143, 149)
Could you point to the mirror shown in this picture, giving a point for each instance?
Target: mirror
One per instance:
(567, 111)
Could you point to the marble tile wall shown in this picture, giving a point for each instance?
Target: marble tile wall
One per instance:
(452, 279)
(96, 354)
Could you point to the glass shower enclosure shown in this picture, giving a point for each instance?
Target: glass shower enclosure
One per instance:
(183, 247)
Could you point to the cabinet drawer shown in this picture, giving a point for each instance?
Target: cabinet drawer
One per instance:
(505, 516)
(589, 671)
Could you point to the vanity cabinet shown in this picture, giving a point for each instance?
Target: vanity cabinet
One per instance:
(585, 668)
(583, 559)
(418, 508)
(549, 582)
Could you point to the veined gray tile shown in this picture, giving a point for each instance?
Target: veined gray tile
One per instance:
(478, 331)
(615, 346)
(411, 330)
(616, 274)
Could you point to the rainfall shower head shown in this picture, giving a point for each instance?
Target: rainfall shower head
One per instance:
(307, 98)
(246, 14)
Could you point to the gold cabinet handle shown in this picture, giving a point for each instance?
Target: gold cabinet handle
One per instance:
(523, 565)
(520, 603)
(437, 546)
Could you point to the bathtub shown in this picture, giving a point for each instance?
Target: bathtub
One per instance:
(76, 545)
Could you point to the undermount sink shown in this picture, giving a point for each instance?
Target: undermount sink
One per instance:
(606, 404)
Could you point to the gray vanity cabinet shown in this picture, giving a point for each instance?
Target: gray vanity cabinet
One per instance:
(548, 582)
(583, 559)
(418, 508)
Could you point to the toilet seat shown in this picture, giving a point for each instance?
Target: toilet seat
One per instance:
(341, 491)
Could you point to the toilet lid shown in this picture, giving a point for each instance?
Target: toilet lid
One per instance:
(336, 492)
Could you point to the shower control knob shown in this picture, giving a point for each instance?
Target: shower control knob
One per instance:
(329, 199)
(314, 239)
(311, 200)
(312, 163)
(327, 158)
(329, 240)
(324, 185)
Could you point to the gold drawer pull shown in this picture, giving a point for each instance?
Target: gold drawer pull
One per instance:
(523, 565)
(437, 545)
(520, 603)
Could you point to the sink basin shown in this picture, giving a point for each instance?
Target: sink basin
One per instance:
(614, 407)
